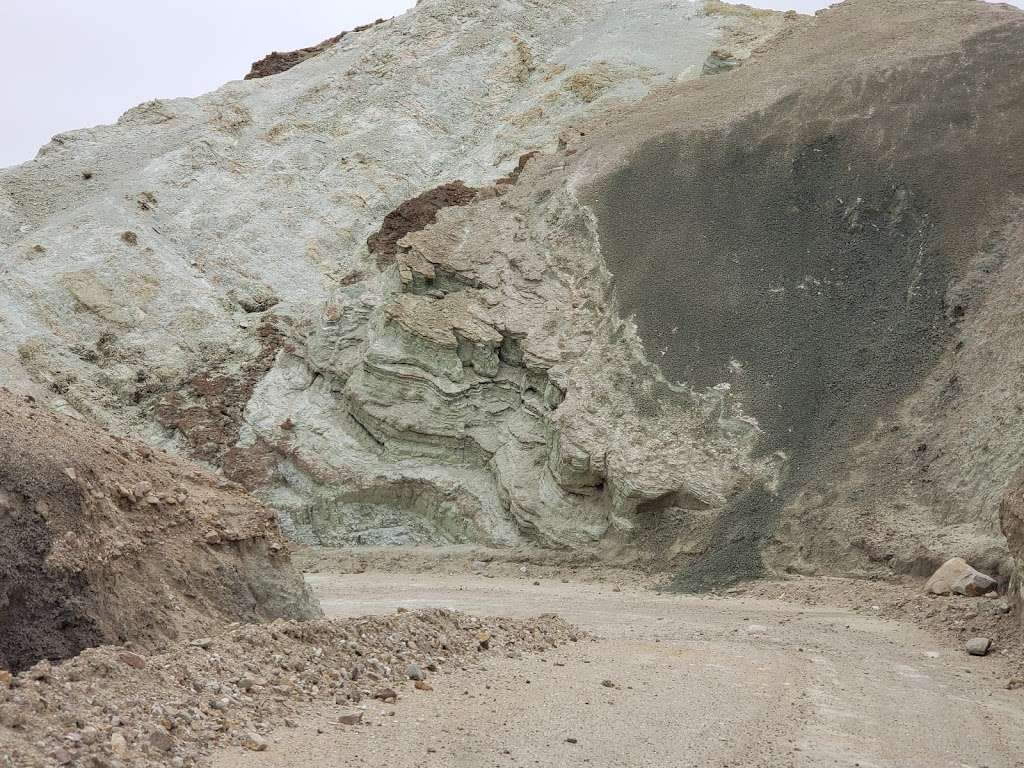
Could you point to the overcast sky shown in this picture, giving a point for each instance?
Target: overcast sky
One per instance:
(77, 63)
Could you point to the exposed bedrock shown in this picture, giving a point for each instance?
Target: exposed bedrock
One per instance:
(249, 278)
(495, 272)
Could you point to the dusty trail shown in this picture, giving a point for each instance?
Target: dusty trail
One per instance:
(698, 682)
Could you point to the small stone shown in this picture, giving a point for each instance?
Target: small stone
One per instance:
(220, 704)
(978, 646)
(423, 685)
(289, 723)
(203, 642)
(1015, 683)
(484, 640)
(756, 629)
(132, 660)
(41, 671)
(607, 683)
(254, 742)
(70, 472)
(572, 741)
(415, 673)
(353, 719)
(212, 538)
(161, 741)
(61, 756)
(246, 683)
(118, 745)
(386, 695)
(6, 678)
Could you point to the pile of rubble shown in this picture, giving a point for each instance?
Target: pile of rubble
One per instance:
(111, 707)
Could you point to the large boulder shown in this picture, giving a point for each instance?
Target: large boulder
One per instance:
(956, 576)
(104, 540)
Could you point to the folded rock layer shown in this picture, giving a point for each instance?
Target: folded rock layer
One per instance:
(712, 289)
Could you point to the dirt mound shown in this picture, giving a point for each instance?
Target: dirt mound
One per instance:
(103, 540)
(111, 707)
(276, 62)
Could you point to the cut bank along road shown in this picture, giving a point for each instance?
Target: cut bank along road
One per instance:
(693, 682)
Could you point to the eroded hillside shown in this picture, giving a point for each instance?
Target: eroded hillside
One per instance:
(735, 300)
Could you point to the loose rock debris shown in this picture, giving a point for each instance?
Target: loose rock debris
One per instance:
(113, 708)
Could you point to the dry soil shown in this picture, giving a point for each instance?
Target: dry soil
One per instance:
(691, 681)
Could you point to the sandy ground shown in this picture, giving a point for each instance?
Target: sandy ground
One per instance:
(695, 682)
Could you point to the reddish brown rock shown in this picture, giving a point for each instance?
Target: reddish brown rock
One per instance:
(416, 214)
(277, 62)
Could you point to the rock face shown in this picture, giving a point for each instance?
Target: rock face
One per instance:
(103, 540)
(247, 323)
(508, 271)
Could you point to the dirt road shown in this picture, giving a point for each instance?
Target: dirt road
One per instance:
(691, 682)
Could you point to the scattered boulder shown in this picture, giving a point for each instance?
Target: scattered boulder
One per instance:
(354, 718)
(956, 576)
(978, 646)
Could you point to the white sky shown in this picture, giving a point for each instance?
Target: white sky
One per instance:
(78, 63)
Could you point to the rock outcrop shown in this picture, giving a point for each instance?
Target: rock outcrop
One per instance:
(104, 540)
(246, 322)
(497, 272)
